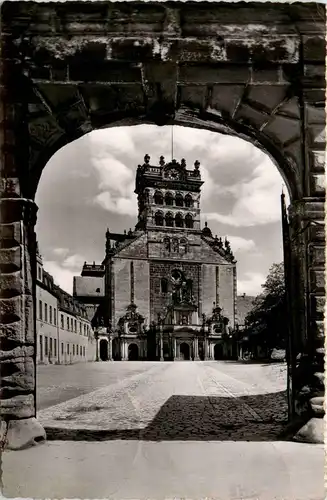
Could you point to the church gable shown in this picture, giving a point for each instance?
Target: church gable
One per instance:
(211, 254)
(135, 249)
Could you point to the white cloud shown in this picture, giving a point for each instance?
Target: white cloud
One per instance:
(62, 277)
(251, 284)
(74, 261)
(239, 244)
(116, 204)
(110, 141)
(257, 201)
(60, 251)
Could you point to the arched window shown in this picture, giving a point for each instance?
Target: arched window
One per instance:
(183, 246)
(159, 220)
(179, 201)
(166, 242)
(169, 199)
(189, 221)
(179, 222)
(169, 219)
(175, 245)
(158, 198)
(188, 201)
(164, 285)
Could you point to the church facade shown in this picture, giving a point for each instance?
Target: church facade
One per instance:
(169, 285)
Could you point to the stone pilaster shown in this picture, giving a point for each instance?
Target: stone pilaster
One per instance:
(18, 349)
(308, 272)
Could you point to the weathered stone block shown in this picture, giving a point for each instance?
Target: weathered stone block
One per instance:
(317, 255)
(11, 309)
(315, 114)
(194, 94)
(273, 49)
(17, 332)
(207, 74)
(20, 406)
(266, 75)
(10, 259)
(314, 47)
(317, 233)
(24, 433)
(10, 235)
(320, 330)
(226, 97)
(319, 380)
(106, 71)
(318, 305)
(317, 280)
(10, 187)
(318, 160)
(19, 381)
(11, 284)
(17, 356)
(312, 432)
(317, 135)
(317, 405)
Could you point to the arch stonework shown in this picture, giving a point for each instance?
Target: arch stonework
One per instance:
(255, 71)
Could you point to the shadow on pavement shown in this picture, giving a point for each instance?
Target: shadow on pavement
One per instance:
(200, 418)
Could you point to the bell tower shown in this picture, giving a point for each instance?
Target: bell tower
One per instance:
(168, 196)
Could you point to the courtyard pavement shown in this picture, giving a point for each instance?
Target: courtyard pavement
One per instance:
(164, 430)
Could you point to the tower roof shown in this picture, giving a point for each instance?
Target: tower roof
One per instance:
(172, 174)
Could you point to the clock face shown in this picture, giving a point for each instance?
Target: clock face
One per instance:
(173, 174)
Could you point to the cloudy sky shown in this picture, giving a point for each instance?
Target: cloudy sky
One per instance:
(88, 186)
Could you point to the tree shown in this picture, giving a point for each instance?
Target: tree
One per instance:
(266, 323)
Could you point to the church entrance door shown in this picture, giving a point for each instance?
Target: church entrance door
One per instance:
(104, 350)
(185, 351)
(133, 352)
(218, 352)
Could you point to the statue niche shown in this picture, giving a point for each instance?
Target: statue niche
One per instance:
(182, 289)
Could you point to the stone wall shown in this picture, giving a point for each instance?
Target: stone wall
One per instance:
(122, 287)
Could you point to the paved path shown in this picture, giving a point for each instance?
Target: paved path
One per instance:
(186, 400)
(173, 430)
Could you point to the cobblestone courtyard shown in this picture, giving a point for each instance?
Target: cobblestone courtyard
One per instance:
(163, 401)
(164, 430)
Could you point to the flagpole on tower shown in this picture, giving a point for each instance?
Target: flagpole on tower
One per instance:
(172, 142)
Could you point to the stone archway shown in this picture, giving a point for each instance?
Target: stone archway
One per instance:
(104, 355)
(185, 352)
(70, 68)
(133, 352)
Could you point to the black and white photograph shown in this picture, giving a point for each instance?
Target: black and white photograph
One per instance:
(162, 257)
